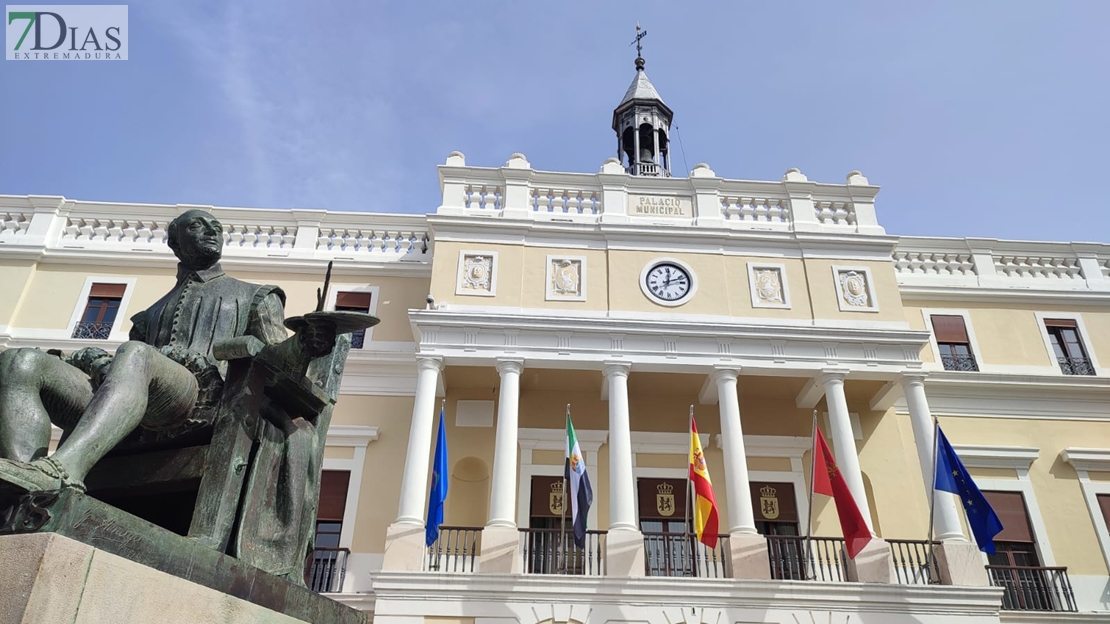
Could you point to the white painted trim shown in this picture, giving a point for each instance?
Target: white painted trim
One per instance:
(495, 270)
(836, 271)
(333, 294)
(1085, 460)
(781, 268)
(550, 294)
(117, 333)
(656, 300)
(663, 443)
(1017, 458)
(1025, 486)
(1083, 337)
(973, 342)
(357, 437)
(555, 440)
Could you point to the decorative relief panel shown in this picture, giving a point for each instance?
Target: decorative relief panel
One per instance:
(855, 291)
(477, 273)
(768, 285)
(566, 278)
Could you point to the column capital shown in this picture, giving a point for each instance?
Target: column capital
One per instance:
(429, 362)
(724, 373)
(618, 369)
(909, 378)
(509, 365)
(832, 374)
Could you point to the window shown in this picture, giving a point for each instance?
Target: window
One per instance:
(100, 312)
(953, 343)
(668, 540)
(354, 302)
(1068, 348)
(325, 569)
(549, 541)
(776, 515)
(1104, 505)
(1015, 565)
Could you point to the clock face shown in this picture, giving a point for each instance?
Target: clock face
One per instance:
(668, 282)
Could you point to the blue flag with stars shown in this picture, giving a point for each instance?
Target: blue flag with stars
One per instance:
(953, 477)
(439, 486)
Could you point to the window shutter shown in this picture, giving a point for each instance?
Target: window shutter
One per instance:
(548, 498)
(774, 502)
(949, 328)
(1104, 504)
(360, 300)
(1061, 323)
(333, 494)
(108, 290)
(1010, 507)
(661, 499)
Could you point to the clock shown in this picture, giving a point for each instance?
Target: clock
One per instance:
(668, 283)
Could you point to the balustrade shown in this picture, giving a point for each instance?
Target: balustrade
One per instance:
(1033, 588)
(551, 551)
(798, 558)
(92, 331)
(914, 562)
(456, 549)
(1076, 366)
(325, 569)
(677, 554)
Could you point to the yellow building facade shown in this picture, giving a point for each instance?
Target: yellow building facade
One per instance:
(634, 300)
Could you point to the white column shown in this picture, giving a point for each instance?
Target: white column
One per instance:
(414, 480)
(502, 504)
(740, 516)
(844, 440)
(946, 521)
(622, 500)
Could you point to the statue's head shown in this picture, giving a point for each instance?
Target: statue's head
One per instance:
(196, 238)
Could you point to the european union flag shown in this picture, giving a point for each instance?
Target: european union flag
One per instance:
(953, 477)
(439, 486)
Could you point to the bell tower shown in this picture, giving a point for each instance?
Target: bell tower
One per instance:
(643, 124)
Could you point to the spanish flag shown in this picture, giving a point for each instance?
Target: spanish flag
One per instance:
(705, 504)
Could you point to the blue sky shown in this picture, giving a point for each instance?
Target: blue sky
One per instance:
(984, 118)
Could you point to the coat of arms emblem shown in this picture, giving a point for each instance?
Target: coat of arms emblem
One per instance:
(555, 502)
(768, 502)
(664, 499)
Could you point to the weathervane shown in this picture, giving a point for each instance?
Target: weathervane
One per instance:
(640, 34)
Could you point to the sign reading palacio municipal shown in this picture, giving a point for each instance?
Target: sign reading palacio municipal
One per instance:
(670, 206)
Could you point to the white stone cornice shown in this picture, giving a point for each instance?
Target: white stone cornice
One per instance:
(984, 456)
(351, 435)
(664, 443)
(555, 439)
(1048, 397)
(791, 447)
(1087, 459)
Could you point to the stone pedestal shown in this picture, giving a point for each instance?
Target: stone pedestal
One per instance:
(46, 577)
(960, 563)
(404, 548)
(873, 564)
(748, 555)
(500, 550)
(624, 553)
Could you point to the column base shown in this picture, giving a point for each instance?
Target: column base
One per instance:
(873, 564)
(960, 563)
(404, 548)
(624, 553)
(749, 557)
(500, 550)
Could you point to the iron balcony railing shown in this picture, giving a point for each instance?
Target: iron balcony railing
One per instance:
(551, 551)
(455, 550)
(92, 331)
(798, 558)
(1033, 588)
(358, 338)
(1076, 366)
(325, 569)
(959, 363)
(914, 562)
(677, 554)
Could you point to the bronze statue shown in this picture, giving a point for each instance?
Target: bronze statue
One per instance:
(155, 379)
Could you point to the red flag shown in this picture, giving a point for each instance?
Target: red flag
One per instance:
(827, 480)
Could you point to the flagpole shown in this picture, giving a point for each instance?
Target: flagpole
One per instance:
(689, 499)
(562, 548)
(812, 476)
(932, 501)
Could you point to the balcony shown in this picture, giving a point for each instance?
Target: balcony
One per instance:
(456, 550)
(1033, 588)
(94, 331)
(965, 363)
(325, 569)
(675, 554)
(1076, 366)
(551, 551)
(797, 558)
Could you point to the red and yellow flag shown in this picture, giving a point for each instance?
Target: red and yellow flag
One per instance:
(705, 504)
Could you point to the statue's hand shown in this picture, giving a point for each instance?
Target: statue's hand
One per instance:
(317, 339)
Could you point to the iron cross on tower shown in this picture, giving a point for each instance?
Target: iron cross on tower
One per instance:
(640, 34)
